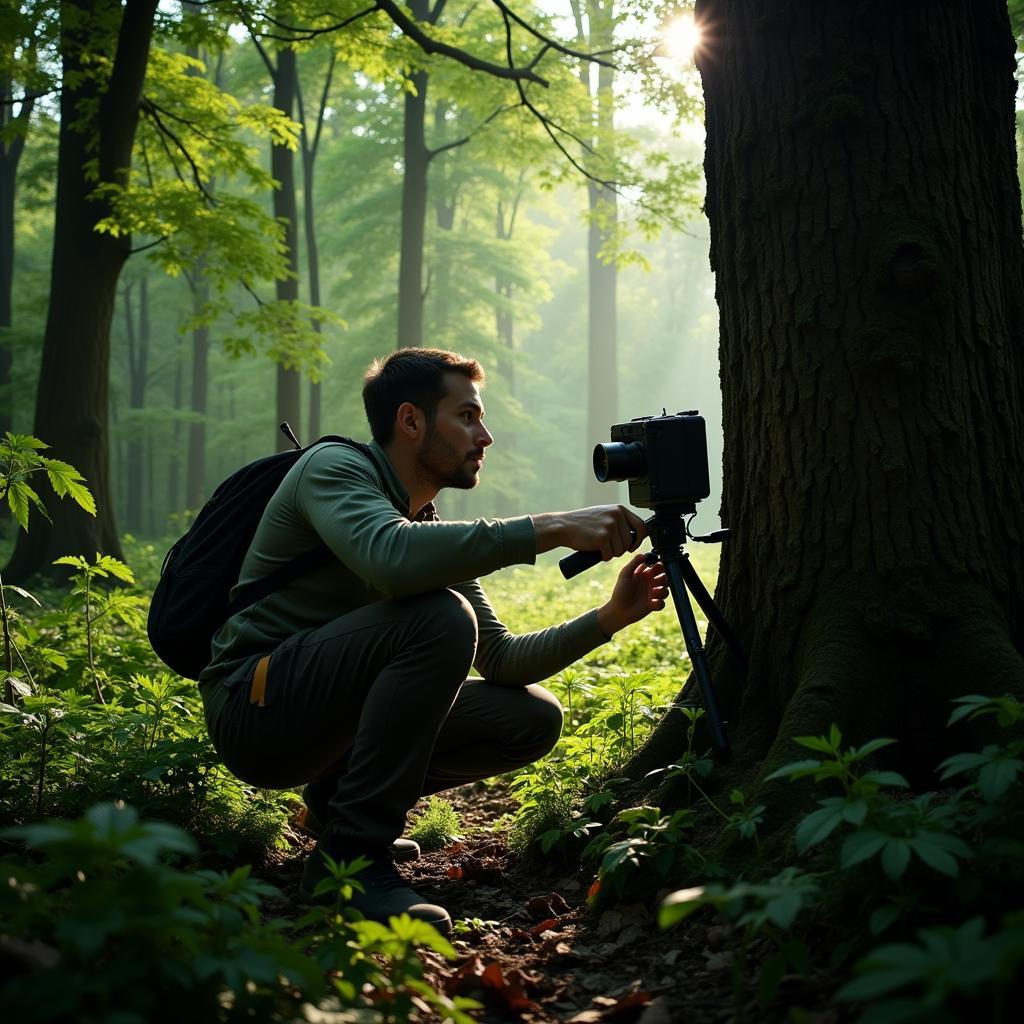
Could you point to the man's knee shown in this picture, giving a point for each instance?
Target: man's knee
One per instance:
(545, 720)
(451, 616)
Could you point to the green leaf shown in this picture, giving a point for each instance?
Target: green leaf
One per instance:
(860, 846)
(819, 825)
(895, 858)
(819, 743)
(997, 777)
(795, 770)
(886, 779)
(679, 905)
(23, 593)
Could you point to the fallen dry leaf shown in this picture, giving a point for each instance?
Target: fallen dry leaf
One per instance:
(548, 924)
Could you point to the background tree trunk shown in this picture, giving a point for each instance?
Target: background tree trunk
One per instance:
(138, 371)
(309, 153)
(72, 399)
(866, 241)
(602, 275)
(195, 472)
(10, 154)
(414, 214)
(282, 167)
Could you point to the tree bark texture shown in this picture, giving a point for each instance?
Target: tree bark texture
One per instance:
(72, 399)
(282, 167)
(866, 242)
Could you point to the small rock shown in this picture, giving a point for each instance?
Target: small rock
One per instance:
(657, 1011)
(718, 961)
(717, 935)
(610, 921)
(671, 956)
(628, 934)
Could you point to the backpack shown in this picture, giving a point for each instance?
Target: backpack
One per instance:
(197, 592)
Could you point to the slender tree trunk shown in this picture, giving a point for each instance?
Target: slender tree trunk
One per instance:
(504, 324)
(866, 243)
(174, 463)
(195, 475)
(309, 153)
(282, 167)
(414, 215)
(602, 275)
(138, 370)
(10, 155)
(72, 399)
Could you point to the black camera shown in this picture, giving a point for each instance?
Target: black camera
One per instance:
(664, 458)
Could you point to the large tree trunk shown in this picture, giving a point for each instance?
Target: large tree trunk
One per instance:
(282, 167)
(72, 396)
(866, 241)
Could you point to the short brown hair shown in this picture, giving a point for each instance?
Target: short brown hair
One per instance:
(410, 375)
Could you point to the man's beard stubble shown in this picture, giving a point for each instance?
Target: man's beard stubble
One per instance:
(444, 463)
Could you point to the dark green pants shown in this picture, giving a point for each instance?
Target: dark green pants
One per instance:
(376, 709)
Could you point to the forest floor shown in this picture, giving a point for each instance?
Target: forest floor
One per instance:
(540, 956)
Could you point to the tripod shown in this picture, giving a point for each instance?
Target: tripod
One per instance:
(668, 532)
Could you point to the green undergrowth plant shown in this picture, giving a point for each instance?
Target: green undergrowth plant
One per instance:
(938, 876)
(436, 826)
(177, 944)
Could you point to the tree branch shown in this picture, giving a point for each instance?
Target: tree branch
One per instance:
(431, 153)
(411, 28)
(153, 112)
(549, 43)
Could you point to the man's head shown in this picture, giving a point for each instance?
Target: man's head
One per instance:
(424, 404)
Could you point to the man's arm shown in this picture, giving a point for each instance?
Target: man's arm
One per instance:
(518, 660)
(611, 529)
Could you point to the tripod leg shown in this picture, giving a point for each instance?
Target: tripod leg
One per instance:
(707, 603)
(688, 624)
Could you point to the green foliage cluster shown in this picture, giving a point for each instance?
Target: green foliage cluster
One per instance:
(436, 826)
(90, 718)
(89, 714)
(191, 944)
(933, 880)
(955, 938)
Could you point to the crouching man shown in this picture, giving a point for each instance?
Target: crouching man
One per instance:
(353, 679)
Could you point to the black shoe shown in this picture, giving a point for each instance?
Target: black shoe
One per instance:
(386, 894)
(312, 817)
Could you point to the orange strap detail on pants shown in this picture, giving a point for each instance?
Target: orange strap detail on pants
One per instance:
(259, 682)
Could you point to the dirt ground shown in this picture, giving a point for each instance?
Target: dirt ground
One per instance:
(540, 956)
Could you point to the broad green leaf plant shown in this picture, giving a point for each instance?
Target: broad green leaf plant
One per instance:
(21, 459)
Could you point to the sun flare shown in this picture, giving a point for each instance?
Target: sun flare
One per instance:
(680, 37)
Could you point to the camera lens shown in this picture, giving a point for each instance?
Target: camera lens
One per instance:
(619, 461)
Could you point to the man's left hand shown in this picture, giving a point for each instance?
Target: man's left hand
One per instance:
(639, 590)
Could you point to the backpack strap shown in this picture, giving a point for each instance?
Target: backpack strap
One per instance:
(244, 596)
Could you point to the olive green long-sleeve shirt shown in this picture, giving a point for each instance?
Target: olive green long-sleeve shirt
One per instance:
(334, 494)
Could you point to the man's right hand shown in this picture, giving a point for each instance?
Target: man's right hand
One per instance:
(611, 529)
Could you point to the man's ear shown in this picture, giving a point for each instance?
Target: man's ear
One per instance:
(409, 421)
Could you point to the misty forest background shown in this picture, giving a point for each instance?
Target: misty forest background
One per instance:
(515, 229)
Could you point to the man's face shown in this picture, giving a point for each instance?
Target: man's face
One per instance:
(453, 447)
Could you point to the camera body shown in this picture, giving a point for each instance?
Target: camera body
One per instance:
(664, 459)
